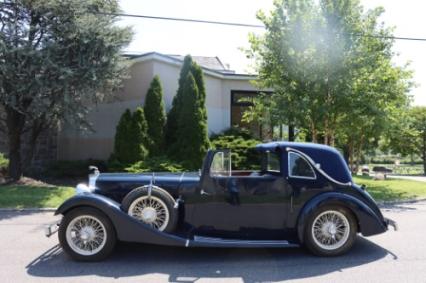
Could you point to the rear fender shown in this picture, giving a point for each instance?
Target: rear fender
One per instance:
(369, 222)
(127, 228)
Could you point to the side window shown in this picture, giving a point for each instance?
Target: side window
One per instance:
(298, 167)
(221, 164)
(273, 162)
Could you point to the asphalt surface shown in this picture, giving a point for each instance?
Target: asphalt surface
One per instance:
(27, 256)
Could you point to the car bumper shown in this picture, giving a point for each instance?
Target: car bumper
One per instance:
(51, 229)
(390, 222)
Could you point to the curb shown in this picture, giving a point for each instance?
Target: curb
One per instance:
(31, 209)
(396, 202)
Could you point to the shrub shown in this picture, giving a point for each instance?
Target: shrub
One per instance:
(234, 131)
(243, 154)
(131, 137)
(4, 162)
(155, 117)
(155, 164)
(186, 130)
(192, 139)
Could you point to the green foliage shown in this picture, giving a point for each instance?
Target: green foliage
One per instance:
(155, 164)
(138, 145)
(155, 117)
(234, 131)
(64, 58)
(131, 137)
(173, 115)
(192, 139)
(123, 136)
(407, 135)
(73, 169)
(243, 155)
(186, 129)
(4, 162)
(336, 86)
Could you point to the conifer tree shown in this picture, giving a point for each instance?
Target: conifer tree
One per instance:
(172, 116)
(155, 117)
(122, 137)
(138, 147)
(131, 137)
(192, 137)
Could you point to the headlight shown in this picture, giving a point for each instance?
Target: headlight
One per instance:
(83, 189)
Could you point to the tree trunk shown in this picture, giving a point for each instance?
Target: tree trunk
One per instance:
(290, 133)
(15, 124)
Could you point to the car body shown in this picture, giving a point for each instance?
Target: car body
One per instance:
(298, 185)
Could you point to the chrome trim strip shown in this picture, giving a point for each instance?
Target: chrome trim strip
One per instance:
(187, 243)
(319, 169)
(228, 241)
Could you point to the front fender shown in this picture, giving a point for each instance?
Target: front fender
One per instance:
(127, 228)
(369, 222)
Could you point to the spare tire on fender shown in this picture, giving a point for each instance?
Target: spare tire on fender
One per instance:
(156, 209)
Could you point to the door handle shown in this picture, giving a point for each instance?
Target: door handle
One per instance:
(204, 193)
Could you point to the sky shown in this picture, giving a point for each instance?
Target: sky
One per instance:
(171, 37)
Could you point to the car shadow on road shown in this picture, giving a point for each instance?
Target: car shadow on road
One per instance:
(189, 265)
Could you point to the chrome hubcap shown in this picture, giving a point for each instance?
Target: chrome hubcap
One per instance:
(150, 210)
(148, 214)
(330, 230)
(86, 235)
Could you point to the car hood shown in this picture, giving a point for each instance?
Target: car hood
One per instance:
(126, 181)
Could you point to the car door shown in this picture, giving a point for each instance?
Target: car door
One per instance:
(240, 203)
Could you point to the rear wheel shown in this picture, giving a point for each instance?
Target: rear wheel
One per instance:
(86, 234)
(156, 210)
(330, 231)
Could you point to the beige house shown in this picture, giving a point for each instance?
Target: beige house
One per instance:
(224, 88)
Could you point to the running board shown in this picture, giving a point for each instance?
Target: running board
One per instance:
(200, 241)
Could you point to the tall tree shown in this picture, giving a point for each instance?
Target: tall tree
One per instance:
(139, 141)
(155, 117)
(332, 76)
(193, 141)
(58, 57)
(407, 134)
(173, 128)
(173, 114)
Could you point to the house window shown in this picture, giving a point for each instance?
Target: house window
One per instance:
(240, 101)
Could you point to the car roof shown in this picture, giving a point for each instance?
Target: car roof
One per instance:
(296, 145)
(331, 160)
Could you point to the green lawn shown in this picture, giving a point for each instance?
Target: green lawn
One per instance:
(20, 196)
(392, 189)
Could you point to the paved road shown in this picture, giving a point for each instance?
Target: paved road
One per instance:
(27, 256)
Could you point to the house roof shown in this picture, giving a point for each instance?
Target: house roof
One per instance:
(210, 65)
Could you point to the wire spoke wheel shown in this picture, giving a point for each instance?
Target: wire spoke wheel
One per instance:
(150, 210)
(86, 235)
(330, 230)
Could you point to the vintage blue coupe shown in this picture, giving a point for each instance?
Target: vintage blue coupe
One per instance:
(302, 194)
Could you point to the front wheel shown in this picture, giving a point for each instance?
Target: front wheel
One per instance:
(330, 231)
(86, 234)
